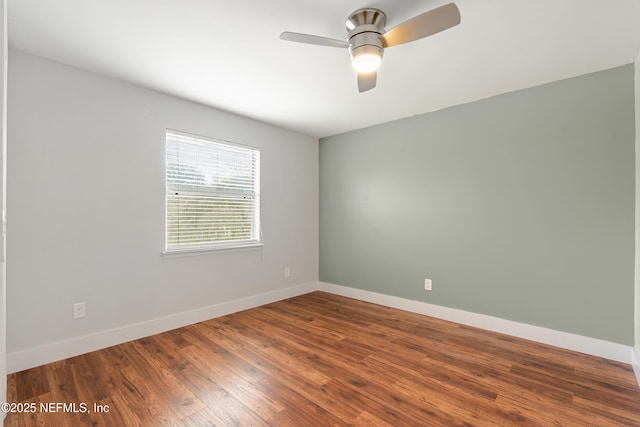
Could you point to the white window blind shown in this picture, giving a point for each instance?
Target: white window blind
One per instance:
(212, 193)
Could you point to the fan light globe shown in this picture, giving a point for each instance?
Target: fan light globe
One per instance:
(367, 62)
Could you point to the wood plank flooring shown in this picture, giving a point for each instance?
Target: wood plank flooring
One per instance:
(324, 360)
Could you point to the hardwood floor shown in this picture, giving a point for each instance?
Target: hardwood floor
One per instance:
(325, 360)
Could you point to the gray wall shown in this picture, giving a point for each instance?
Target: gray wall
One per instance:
(3, 199)
(519, 206)
(637, 269)
(86, 197)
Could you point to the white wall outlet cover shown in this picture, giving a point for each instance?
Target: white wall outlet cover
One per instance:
(79, 310)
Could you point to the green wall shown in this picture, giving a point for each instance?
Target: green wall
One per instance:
(519, 206)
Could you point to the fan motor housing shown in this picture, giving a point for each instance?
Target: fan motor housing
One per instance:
(365, 28)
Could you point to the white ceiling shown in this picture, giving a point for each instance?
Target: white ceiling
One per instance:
(227, 54)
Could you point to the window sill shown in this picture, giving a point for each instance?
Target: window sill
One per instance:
(210, 250)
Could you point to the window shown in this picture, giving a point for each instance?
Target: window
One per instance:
(212, 194)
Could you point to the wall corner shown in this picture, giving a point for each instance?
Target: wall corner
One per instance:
(636, 326)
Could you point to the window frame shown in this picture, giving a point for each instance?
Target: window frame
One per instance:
(211, 246)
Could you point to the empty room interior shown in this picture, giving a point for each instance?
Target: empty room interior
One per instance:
(320, 213)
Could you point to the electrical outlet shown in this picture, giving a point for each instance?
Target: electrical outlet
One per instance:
(79, 310)
(427, 284)
(287, 272)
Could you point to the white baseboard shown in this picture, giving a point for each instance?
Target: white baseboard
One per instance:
(635, 362)
(592, 346)
(32, 357)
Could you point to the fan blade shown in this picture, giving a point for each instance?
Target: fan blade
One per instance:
(423, 25)
(366, 81)
(309, 39)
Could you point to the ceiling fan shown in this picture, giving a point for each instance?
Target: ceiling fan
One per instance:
(367, 38)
